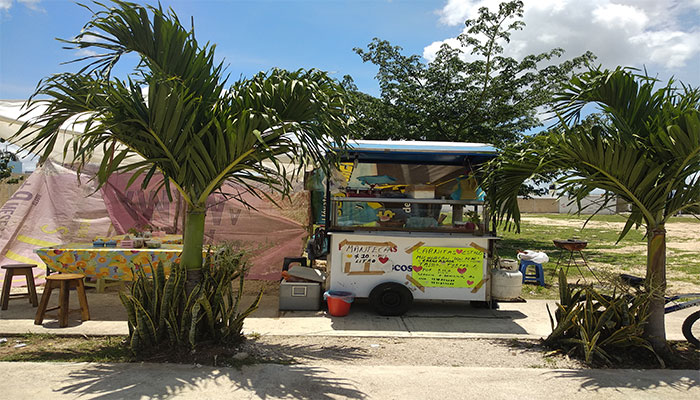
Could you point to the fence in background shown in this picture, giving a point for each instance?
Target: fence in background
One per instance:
(565, 206)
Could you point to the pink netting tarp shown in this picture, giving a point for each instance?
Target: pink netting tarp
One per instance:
(54, 206)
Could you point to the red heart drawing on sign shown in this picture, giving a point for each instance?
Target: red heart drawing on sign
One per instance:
(459, 251)
(461, 270)
(383, 259)
(417, 268)
(470, 283)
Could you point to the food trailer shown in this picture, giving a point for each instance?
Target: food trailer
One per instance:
(408, 220)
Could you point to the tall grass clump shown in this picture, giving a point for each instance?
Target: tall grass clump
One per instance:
(597, 327)
(162, 315)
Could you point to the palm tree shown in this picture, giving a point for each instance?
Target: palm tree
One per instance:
(648, 154)
(189, 126)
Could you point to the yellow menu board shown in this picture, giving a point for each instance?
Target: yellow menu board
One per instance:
(448, 266)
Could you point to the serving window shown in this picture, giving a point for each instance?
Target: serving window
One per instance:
(406, 197)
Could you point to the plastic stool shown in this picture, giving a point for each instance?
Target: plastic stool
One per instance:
(536, 277)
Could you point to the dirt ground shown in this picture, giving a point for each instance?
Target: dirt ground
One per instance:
(408, 351)
(304, 350)
(679, 235)
(315, 350)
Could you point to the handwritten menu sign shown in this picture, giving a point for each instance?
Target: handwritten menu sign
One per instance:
(371, 257)
(448, 266)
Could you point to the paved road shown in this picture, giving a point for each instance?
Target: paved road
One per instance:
(269, 381)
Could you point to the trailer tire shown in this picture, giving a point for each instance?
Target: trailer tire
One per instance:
(391, 299)
(688, 329)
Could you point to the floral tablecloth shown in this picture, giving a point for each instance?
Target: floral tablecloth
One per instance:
(106, 262)
(167, 239)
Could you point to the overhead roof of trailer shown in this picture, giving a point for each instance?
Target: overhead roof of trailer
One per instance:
(415, 152)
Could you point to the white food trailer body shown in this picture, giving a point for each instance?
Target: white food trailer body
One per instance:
(407, 220)
(433, 266)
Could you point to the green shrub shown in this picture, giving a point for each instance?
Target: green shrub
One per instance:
(596, 327)
(162, 315)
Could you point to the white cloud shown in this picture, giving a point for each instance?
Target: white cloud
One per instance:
(5, 5)
(611, 16)
(663, 35)
(31, 4)
(670, 48)
(87, 37)
(547, 38)
(86, 53)
(553, 6)
(434, 47)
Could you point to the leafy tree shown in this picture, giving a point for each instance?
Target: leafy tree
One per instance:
(192, 128)
(646, 151)
(490, 98)
(5, 158)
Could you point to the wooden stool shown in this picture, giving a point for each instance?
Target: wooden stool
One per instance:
(18, 269)
(65, 282)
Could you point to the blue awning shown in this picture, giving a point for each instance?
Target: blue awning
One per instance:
(415, 152)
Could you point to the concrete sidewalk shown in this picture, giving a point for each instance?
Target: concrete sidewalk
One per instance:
(321, 379)
(270, 381)
(434, 319)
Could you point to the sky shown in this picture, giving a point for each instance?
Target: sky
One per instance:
(662, 36)
(252, 36)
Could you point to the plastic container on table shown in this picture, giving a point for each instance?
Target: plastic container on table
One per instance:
(338, 302)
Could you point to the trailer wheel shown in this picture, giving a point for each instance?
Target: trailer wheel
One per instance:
(391, 299)
(691, 336)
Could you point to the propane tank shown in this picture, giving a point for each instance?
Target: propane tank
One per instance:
(507, 281)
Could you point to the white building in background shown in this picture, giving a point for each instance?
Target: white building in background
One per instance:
(589, 205)
(567, 205)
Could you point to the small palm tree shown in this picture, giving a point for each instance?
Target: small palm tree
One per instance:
(648, 154)
(192, 128)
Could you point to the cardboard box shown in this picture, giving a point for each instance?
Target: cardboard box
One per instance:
(300, 296)
(420, 191)
(307, 273)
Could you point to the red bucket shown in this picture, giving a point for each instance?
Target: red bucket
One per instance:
(339, 302)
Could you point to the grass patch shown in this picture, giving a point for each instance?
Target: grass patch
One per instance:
(113, 349)
(44, 347)
(604, 253)
(687, 262)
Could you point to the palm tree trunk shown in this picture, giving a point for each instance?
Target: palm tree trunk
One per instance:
(192, 242)
(655, 330)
